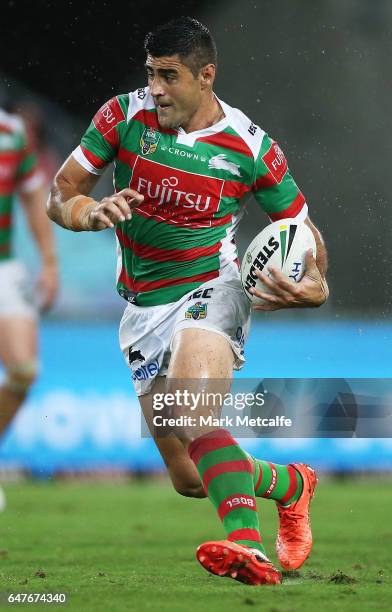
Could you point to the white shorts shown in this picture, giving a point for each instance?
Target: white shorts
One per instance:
(16, 291)
(146, 333)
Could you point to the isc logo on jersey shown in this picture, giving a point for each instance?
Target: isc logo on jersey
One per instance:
(176, 195)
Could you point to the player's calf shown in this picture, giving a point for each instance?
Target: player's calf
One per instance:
(190, 489)
(183, 474)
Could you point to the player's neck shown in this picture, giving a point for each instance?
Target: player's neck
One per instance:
(209, 113)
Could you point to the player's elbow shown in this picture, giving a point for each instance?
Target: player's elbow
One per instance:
(53, 205)
(50, 206)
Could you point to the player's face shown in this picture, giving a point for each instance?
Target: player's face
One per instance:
(176, 92)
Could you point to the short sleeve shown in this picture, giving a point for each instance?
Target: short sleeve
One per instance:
(100, 142)
(273, 186)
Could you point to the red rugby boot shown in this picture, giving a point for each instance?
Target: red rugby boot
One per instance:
(294, 541)
(248, 565)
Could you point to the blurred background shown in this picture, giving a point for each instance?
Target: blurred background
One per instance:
(316, 77)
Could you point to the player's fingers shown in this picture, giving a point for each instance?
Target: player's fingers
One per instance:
(47, 289)
(283, 281)
(99, 220)
(309, 259)
(266, 306)
(272, 285)
(112, 210)
(135, 197)
(269, 297)
(123, 206)
(310, 264)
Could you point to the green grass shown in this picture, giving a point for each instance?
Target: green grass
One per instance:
(131, 547)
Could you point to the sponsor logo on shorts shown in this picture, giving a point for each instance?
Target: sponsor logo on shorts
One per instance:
(146, 371)
(149, 141)
(240, 337)
(276, 162)
(219, 162)
(135, 355)
(197, 311)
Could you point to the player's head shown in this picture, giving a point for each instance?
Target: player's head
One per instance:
(181, 66)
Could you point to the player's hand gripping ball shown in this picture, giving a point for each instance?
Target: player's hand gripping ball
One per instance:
(282, 245)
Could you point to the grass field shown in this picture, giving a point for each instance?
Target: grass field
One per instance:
(131, 547)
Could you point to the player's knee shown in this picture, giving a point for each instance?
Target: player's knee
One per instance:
(20, 377)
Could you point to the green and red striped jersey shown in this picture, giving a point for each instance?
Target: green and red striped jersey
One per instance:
(18, 172)
(183, 233)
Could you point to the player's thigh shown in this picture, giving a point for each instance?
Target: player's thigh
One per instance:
(200, 354)
(18, 340)
(181, 469)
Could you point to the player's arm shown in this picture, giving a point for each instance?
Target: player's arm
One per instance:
(32, 195)
(33, 203)
(69, 202)
(276, 191)
(70, 206)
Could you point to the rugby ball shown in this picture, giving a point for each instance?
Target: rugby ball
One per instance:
(283, 245)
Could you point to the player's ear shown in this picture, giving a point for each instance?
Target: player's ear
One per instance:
(207, 75)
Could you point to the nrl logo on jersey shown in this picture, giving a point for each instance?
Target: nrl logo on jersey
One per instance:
(149, 141)
(219, 162)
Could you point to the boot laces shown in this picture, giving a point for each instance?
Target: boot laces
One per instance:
(289, 524)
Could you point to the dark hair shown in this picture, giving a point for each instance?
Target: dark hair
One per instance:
(185, 37)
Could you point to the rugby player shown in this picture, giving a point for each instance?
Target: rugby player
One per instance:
(183, 160)
(19, 299)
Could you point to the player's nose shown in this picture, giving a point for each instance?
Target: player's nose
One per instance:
(156, 88)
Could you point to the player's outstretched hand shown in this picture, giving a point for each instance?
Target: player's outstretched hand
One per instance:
(312, 289)
(114, 209)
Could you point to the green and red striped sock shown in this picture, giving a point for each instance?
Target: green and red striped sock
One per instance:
(283, 483)
(227, 475)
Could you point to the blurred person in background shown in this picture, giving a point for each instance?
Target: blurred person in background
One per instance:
(36, 126)
(20, 298)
